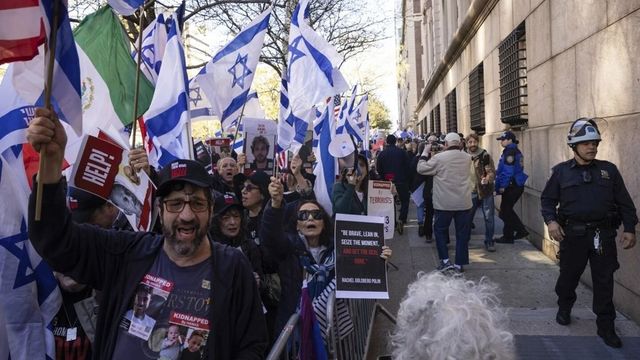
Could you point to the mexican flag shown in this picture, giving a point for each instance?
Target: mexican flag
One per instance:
(108, 75)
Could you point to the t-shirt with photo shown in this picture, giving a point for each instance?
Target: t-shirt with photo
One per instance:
(179, 308)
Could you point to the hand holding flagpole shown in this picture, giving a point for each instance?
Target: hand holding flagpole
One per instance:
(48, 86)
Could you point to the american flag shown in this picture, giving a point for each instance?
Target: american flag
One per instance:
(283, 159)
(336, 106)
(22, 30)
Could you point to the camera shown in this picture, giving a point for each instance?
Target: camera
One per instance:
(436, 147)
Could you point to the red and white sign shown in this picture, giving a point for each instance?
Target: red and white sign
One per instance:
(21, 30)
(189, 321)
(380, 203)
(97, 167)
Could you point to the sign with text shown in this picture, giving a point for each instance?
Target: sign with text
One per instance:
(380, 203)
(360, 271)
(97, 166)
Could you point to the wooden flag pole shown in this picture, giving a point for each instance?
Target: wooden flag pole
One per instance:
(137, 90)
(48, 86)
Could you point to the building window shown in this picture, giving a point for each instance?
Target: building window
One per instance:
(512, 57)
(476, 99)
(436, 120)
(432, 121)
(451, 112)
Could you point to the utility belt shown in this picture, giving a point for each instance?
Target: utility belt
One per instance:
(606, 223)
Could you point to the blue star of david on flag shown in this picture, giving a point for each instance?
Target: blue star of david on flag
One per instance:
(296, 54)
(244, 71)
(26, 273)
(357, 116)
(194, 96)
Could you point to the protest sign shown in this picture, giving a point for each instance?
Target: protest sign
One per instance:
(360, 271)
(97, 166)
(380, 203)
(259, 144)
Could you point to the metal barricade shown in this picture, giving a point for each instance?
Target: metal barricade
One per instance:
(353, 346)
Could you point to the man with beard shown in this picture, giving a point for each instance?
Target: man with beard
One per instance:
(483, 174)
(192, 277)
(260, 150)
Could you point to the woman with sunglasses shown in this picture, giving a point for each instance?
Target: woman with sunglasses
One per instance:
(305, 253)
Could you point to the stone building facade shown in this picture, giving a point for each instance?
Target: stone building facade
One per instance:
(532, 66)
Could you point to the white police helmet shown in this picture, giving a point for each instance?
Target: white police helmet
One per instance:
(583, 129)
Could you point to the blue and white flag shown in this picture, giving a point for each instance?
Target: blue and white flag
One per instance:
(292, 128)
(312, 68)
(165, 124)
(154, 42)
(66, 90)
(227, 78)
(15, 112)
(359, 121)
(126, 7)
(346, 111)
(325, 168)
(30, 295)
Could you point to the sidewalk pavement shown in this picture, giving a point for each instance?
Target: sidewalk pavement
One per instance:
(526, 278)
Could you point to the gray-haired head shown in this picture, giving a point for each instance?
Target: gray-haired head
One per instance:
(445, 317)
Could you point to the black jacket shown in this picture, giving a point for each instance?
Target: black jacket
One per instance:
(115, 262)
(393, 164)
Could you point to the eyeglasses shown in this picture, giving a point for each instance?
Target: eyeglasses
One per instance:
(308, 214)
(177, 205)
(250, 187)
(586, 176)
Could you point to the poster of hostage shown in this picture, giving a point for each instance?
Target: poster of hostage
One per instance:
(360, 271)
(259, 145)
(103, 169)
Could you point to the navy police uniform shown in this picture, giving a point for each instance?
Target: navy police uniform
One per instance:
(593, 201)
(511, 178)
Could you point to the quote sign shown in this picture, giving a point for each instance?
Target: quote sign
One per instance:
(360, 271)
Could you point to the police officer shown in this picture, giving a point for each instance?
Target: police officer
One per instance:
(510, 179)
(592, 200)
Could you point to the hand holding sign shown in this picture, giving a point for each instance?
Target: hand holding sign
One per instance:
(139, 160)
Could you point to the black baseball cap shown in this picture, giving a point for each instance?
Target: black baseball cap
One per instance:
(224, 203)
(82, 204)
(188, 171)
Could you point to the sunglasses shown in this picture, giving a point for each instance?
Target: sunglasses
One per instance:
(309, 215)
(177, 205)
(250, 187)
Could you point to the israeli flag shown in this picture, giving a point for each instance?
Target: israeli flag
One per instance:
(312, 71)
(359, 121)
(30, 295)
(227, 78)
(154, 42)
(292, 129)
(165, 124)
(15, 113)
(346, 111)
(126, 7)
(325, 170)
(66, 91)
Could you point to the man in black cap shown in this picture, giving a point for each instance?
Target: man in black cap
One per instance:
(393, 165)
(195, 282)
(510, 180)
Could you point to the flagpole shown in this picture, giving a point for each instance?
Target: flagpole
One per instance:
(239, 122)
(48, 86)
(137, 90)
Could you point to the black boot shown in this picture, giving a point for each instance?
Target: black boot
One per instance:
(420, 230)
(563, 317)
(610, 337)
